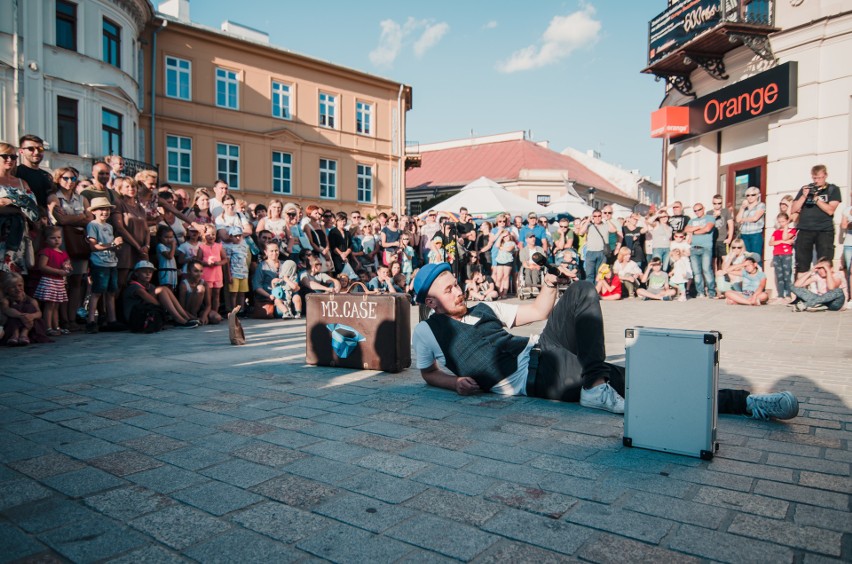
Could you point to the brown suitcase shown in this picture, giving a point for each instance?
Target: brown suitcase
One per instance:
(363, 331)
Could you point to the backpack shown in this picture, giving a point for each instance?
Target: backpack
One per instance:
(146, 318)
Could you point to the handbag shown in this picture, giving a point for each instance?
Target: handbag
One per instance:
(607, 250)
(76, 244)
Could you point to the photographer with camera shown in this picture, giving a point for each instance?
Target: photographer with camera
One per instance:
(815, 203)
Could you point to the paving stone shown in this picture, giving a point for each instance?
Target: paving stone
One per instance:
(166, 479)
(842, 484)
(615, 520)
(509, 472)
(323, 470)
(567, 466)
(128, 503)
(217, 498)
(125, 462)
(544, 532)
(438, 455)
(241, 473)
(717, 479)
(531, 499)
(247, 428)
(796, 536)
(738, 501)
(602, 491)
(194, 458)
(822, 518)
(91, 540)
(86, 481)
(510, 551)
(383, 486)
(119, 433)
(343, 543)
(155, 444)
(47, 514)
(47, 465)
(151, 554)
(335, 450)
(90, 448)
(268, 455)
(676, 509)
(611, 548)
(179, 526)
(288, 438)
(281, 522)
(445, 537)
(808, 463)
(88, 424)
(454, 480)
(801, 494)
(296, 491)
(120, 413)
(392, 464)
(239, 545)
(377, 442)
(455, 506)
(725, 547)
(18, 545)
(364, 512)
(389, 429)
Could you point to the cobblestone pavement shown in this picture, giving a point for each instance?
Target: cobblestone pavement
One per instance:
(178, 446)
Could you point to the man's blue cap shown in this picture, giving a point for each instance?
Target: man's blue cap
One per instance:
(425, 277)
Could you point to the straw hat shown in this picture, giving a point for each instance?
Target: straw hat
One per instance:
(100, 203)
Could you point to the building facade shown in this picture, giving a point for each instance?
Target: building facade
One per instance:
(70, 73)
(273, 124)
(757, 93)
(531, 170)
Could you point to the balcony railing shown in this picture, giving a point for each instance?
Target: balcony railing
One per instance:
(697, 33)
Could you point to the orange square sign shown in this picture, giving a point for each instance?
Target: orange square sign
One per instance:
(670, 121)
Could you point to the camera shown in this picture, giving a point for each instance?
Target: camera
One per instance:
(810, 199)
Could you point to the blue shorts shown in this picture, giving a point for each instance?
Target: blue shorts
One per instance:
(104, 279)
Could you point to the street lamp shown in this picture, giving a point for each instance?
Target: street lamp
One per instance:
(590, 194)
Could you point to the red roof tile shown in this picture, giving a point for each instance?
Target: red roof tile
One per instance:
(501, 162)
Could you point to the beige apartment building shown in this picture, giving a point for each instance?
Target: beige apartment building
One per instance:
(273, 124)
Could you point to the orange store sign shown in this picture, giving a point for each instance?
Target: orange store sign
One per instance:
(768, 92)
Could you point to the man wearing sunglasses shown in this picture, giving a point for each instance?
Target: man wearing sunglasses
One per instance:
(31, 150)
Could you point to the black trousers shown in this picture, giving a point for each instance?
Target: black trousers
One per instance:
(806, 241)
(573, 353)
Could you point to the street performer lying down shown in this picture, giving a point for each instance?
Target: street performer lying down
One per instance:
(470, 351)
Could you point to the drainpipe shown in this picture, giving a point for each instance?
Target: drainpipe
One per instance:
(17, 77)
(400, 202)
(153, 140)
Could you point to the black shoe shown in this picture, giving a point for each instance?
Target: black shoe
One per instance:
(91, 327)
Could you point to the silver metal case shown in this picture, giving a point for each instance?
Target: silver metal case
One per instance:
(672, 382)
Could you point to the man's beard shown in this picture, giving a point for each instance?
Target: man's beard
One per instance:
(458, 309)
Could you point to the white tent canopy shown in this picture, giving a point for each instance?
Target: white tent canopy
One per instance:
(484, 197)
(569, 203)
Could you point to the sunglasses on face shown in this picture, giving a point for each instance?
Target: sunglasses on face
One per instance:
(750, 195)
(33, 149)
(9, 157)
(736, 246)
(596, 217)
(607, 213)
(291, 214)
(69, 178)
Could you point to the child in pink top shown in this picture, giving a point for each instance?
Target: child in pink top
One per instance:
(212, 257)
(54, 265)
(782, 242)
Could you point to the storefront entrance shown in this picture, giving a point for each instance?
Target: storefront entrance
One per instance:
(740, 176)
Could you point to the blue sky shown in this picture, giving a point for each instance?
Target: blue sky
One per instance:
(566, 71)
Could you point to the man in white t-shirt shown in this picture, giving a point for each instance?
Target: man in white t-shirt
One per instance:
(470, 350)
(220, 189)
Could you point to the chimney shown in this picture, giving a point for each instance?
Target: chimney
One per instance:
(178, 9)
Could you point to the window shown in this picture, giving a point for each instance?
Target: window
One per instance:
(282, 172)
(66, 25)
(281, 100)
(111, 132)
(364, 118)
(178, 74)
(328, 179)
(112, 43)
(66, 125)
(365, 183)
(327, 110)
(228, 164)
(179, 158)
(226, 89)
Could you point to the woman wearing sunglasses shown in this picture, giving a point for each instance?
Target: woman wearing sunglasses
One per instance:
(68, 209)
(17, 204)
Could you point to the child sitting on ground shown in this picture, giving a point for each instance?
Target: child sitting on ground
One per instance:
(23, 317)
(567, 264)
(656, 281)
(608, 284)
(681, 273)
(382, 281)
(194, 297)
(480, 288)
(753, 284)
(145, 304)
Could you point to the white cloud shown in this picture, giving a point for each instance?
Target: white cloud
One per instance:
(395, 36)
(431, 36)
(564, 35)
(490, 25)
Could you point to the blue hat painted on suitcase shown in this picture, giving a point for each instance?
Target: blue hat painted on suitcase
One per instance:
(344, 339)
(425, 277)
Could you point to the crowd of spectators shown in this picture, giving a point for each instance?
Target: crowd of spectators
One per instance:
(108, 252)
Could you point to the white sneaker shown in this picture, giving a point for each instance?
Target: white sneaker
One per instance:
(602, 397)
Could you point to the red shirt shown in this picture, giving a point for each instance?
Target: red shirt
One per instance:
(782, 248)
(615, 282)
